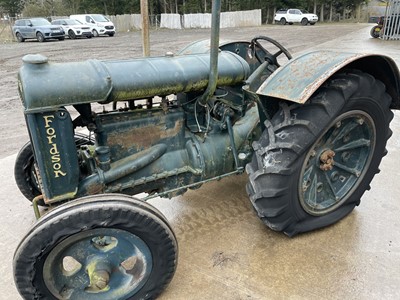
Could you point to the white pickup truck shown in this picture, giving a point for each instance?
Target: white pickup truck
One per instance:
(284, 16)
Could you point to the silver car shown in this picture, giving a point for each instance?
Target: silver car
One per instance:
(37, 28)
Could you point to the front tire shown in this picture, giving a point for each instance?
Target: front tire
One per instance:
(101, 247)
(71, 35)
(315, 161)
(24, 168)
(375, 31)
(95, 33)
(40, 37)
(304, 22)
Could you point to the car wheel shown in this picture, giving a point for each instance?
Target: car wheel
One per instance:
(89, 36)
(312, 23)
(283, 21)
(20, 39)
(111, 34)
(304, 22)
(40, 37)
(95, 33)
(71, 35)
(61, 38)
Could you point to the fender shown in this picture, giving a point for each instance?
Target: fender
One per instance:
(302, 76)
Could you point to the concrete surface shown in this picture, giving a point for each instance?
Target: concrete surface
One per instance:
(227, 253)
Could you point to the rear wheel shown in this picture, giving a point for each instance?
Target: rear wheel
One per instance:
(40, 37)
(101, 247)
(283, 21)
(314, 161)
(304, 21)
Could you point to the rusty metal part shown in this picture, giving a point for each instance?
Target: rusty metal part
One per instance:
(327, 161)
(301, 77)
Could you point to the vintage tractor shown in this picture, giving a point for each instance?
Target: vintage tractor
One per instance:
(310, 134)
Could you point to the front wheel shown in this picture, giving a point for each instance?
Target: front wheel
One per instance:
(315, 161)
(101, 247)
(40, 37)
(95, 33)
(375, 31)
(304, 22)
(24, 168)
(71, 35)
(111, 34)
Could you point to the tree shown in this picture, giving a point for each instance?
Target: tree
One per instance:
(12, 7)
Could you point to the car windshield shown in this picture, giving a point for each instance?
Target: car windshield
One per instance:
(72, 22)
(100, 18)
(39, 22)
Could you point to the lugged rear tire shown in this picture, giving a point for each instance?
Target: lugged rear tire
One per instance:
(291, 185)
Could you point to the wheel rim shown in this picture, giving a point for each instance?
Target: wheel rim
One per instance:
(102, 263)
(40, 37)
(337, 163)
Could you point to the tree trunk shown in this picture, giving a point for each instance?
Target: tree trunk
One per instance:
(273, 13)
(330, 12)
(321, 17)
(315, 6)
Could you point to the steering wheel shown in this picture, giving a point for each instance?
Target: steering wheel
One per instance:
(272, 58)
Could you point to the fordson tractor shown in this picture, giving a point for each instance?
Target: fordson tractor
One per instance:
(310, 133)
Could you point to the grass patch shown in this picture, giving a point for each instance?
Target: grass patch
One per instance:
(6, 35)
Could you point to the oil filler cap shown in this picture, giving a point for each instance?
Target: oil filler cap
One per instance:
(35, 59)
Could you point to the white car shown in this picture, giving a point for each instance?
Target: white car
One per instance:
(100, 24)
(293, 15)
(74, 28)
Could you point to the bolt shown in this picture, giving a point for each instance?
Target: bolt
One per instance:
(100, 279)
(313, 153)
(338, 124)
(360, 121)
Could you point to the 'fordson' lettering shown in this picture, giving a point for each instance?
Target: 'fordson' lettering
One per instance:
(55, 154)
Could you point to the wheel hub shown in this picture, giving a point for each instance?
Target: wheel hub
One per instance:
(336, 163)
(326, 159)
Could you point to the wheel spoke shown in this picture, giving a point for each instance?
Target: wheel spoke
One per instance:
(353, 171)
(346, 129)
(328, 180)
(313, 191)
(354, 145)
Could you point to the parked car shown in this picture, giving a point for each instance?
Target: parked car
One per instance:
(73, 28)
(37, 28)
(293, 15)
(101, 25)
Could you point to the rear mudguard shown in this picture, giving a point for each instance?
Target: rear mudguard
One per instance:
(302, 76)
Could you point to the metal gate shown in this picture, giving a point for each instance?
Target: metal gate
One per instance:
(391, 30)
